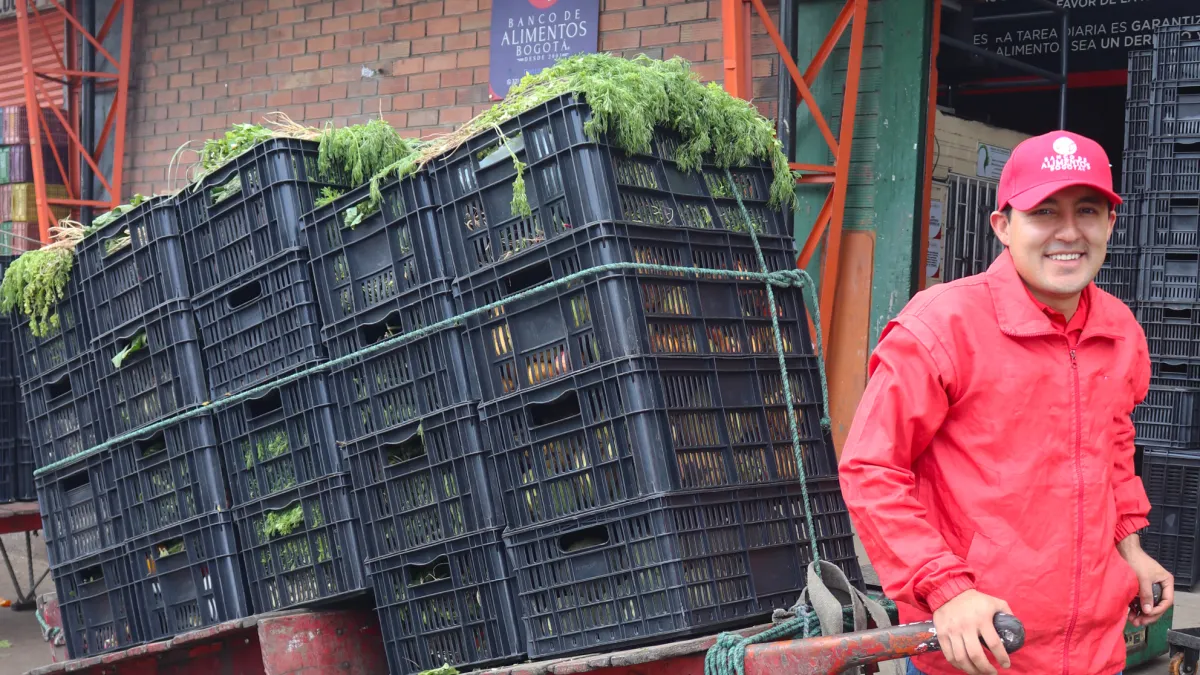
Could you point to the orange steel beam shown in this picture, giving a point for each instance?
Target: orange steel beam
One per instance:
(735, 28)
(70, 72)
(930, 130)
(829, 222)
(801, 86)
(833, 244)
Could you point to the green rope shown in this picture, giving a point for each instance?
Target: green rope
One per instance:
(728, 655)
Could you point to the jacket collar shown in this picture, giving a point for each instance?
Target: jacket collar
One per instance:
(1018, 316)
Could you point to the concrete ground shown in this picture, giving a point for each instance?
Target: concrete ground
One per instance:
(27, 650)
(20, 629)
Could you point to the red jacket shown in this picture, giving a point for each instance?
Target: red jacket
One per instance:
(988, 452)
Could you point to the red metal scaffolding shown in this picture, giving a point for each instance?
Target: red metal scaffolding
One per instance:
(736, 19)
(81, 46)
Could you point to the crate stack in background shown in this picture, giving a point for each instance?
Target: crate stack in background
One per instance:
(16, 450)
(18, 204)
(1162, 186)
(1120, 274)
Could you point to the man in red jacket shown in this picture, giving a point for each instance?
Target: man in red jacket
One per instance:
(989, 467)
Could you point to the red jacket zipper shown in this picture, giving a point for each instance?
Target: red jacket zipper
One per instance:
(1078, 404)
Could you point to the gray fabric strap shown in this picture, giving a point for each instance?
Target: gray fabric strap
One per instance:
(819, 596)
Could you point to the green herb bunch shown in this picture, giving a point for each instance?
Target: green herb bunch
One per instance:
(629, 99)
(34, 284)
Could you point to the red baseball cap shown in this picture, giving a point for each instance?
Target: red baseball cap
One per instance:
(1043, 165)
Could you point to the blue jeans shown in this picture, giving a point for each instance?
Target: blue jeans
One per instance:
(912, 670)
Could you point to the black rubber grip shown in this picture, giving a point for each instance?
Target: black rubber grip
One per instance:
(1011, 631)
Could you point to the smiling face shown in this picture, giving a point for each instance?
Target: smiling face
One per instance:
(1060, 244)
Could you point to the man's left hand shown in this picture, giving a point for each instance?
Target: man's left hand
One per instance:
(1148, 572)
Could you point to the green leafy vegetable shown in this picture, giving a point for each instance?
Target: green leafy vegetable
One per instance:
(34, 284)
(328, 196)
(281, 523)
(446, 669)
(229, 189)
(110, 216)
(630, 99)
(355, 215)
(138, 342)
(217, 152)
(360, 151)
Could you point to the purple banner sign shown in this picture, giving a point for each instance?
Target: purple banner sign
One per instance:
(530, 35)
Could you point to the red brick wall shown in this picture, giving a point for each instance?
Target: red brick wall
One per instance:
(204, 65)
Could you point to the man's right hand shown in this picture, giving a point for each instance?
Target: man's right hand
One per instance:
(962, 622)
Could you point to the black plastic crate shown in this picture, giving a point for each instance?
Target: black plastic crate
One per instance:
(38, 356)
(1131, 219)
(641, 427)
(1119, 273)
(1169, 275)
(1172, 331)
(609, 315)
(81, 509)
(1141, 75)
(280, 440)
(170, 476)
(8, 470)
(150, 369)
(1171, 221)
(405, 381)
(1175, 373)
(1176, 54)
(670, 567)
(1175, 113)
(359, 265)
(26, 488)
(1174, 166)
(63, 408)
(1137, 127)
(300, 547)
(249, 210)
(133, 265)
(1169, 418)
(97, 601)
(572, 181)
(1134, 167)
(188, 576)
(450, 603)
(1172, 482)
(11, 405)
(424, 482)
(260, 325)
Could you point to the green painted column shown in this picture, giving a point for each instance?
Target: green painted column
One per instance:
(887, 163)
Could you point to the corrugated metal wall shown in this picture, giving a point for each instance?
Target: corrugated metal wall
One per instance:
(12, 84)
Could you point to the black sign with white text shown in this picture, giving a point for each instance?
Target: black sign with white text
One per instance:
(1100, 37)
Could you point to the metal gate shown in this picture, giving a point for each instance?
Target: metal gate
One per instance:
(970, 245)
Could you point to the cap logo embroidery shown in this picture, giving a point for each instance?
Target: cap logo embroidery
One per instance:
(1066, 159)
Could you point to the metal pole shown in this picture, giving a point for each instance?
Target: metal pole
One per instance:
(1062, 88)
(1003, 60)
(785, 124)
(87, 110)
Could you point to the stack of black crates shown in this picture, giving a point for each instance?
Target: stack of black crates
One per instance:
(188, 523)
(604, 464)
(16, 450)
(1161, 219)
